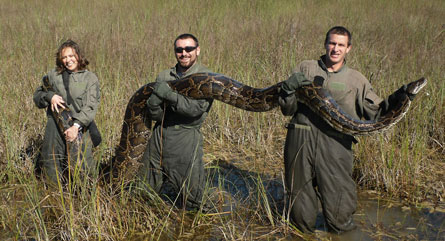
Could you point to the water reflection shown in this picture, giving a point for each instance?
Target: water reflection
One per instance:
(375, 218)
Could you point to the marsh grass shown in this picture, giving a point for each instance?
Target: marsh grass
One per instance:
(255, 42)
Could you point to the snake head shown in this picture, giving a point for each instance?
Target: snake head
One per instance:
(66, 118)
(414, 87)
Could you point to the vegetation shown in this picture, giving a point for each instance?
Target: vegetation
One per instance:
(256, 42)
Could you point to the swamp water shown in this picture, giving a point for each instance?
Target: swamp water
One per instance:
(376, 219)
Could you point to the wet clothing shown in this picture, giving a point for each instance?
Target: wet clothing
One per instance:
(85, 91)
(318, 159)
(174, 151)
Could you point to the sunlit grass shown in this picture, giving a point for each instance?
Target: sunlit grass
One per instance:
(256, 42)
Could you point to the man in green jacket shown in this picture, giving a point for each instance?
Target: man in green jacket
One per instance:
(84, 90)
(174, 151)
(318, 159)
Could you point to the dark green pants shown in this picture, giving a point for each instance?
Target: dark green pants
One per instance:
(54, 159)
(319, 165)
(179, 160)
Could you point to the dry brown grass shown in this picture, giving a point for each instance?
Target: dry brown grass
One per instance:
(255, 42)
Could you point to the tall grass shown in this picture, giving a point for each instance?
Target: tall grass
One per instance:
(255, 42)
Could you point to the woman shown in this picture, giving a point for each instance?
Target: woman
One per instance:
(83, 99)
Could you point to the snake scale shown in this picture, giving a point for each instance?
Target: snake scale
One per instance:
(136, 128)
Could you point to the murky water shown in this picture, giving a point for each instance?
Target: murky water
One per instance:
(376, 219)
(388, 220)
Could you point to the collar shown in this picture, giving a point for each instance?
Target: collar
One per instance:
(321, 63)
(192, 69)
(77, 72)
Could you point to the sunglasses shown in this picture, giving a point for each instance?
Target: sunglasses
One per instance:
(187, 49)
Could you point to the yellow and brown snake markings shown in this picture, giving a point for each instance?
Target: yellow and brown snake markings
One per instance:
(136, 128)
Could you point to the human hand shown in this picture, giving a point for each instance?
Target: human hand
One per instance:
(295, 81)
(162, 89)
(56, 102)
(154, 100)
(71, 133)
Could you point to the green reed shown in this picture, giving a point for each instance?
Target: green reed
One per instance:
(255, 42)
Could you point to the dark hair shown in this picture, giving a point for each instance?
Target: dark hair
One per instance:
(186, 36)
(340, 30)
(81, 60)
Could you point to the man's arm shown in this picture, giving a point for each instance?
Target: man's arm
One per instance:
(386, 105)
(180, 104)
(374, 106)
(190, 107)
(287, 100)
(155, 107)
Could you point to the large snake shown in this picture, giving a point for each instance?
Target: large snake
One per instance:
(136, 128)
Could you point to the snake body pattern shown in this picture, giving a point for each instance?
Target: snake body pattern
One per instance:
(64, 120)
(137, 124)
(136, 128)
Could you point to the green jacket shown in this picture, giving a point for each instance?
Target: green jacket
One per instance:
(84, 89)
(349, 88)
(185, 111)
(175, 148)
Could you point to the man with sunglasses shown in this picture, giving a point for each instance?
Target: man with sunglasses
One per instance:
(174, 152)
